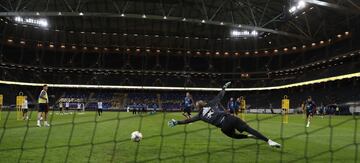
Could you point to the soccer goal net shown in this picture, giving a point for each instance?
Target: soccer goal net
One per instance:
(316, 123)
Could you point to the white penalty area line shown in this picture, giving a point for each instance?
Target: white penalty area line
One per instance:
(323, 80)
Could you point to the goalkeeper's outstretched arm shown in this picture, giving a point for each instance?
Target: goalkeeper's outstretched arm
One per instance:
(219, 96)
(174, 122)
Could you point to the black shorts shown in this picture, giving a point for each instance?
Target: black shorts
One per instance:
(232, 111)
(187, 110)
(231, 123)
(309, 113)
(67, 108)
(43, 108)
(237, 111)
(25, 110)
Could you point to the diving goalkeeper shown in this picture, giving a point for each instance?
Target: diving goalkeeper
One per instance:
(210, 113)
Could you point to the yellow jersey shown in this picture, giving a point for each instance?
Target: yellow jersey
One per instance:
(41, 100)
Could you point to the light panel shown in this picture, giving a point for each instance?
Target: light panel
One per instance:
(297, 7)
(341, 77)
(32, 21)
(245, 33)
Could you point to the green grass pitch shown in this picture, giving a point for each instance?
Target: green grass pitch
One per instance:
(86, 138)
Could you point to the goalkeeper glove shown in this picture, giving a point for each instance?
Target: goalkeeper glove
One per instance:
(172, 123)
(226, 85)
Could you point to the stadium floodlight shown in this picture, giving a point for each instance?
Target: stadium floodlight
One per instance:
(235, 33)
(254, 33)
(292, 9)
(18, 19)
(245, 33)
(32, 21)
(299, 6)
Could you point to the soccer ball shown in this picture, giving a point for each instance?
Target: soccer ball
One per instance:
(136, 136)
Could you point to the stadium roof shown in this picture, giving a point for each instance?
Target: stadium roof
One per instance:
(208, 25)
